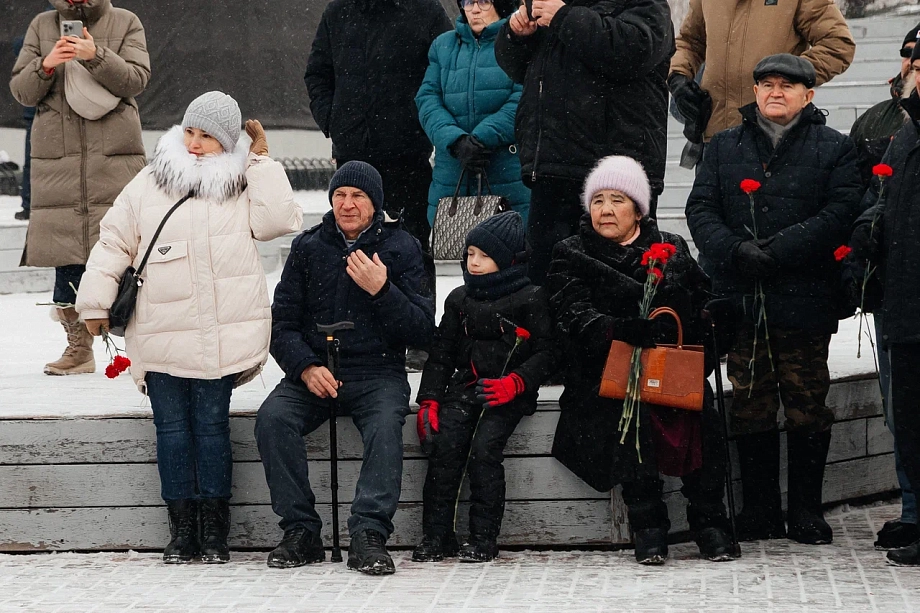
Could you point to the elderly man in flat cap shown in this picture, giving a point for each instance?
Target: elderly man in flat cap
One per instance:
(772, 253)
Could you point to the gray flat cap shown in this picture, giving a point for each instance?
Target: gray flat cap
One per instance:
(792, 67)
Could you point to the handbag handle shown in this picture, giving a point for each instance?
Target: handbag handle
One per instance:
(477, 207)
(672, 313)
(156, 235)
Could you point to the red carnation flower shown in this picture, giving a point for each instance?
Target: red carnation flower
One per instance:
(521, 333)
(841, 252)
(749, 186)
(656, 274)
(121, 363)
(111, 372)
(882, 170)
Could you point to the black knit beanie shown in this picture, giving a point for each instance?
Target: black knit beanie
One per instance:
(501, 237)
(362, 176)
(911, 36)
(915, 54)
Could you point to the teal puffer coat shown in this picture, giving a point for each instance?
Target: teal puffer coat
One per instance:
(466, 92)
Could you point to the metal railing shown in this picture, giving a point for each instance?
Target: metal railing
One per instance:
(308, 173)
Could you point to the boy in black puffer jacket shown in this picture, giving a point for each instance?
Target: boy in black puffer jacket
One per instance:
(491, 352)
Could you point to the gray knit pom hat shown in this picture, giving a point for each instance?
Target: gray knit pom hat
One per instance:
(217, 114)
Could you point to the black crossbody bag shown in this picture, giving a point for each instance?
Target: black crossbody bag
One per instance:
(122, 309)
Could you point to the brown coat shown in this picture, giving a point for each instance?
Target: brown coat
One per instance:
(79, 166)
(731, 36)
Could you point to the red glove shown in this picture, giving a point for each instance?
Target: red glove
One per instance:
(427, 422)
(495, 392)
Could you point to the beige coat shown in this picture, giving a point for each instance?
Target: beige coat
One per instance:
(203, 311)
(731, 36)
(79, 166)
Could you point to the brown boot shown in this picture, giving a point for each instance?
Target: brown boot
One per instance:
(78, 357)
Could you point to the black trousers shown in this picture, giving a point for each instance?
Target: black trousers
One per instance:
(905, 406)
(405, 189)
(452, 446)
(66, 278)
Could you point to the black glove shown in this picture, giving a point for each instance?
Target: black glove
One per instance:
(752, 258)
(865, 241)
(472, 154)
(645, 333)
(689, 97)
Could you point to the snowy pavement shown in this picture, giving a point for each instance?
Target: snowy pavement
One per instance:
(781, 576)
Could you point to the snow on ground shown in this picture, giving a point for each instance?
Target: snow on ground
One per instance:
(779, 576)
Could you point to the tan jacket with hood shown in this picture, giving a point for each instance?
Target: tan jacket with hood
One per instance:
(203, 311)
(731, 36)
(79, 166)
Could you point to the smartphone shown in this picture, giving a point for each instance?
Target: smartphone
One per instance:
(72, 28)
(529, 5)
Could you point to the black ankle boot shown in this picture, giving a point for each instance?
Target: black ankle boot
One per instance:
(478, 549)
(298, 547)
(435, 548)
(762, 515)
(651, 546)
(807, 457)
(896, 534)
(906, 556)
(215, 526)
(183, 530)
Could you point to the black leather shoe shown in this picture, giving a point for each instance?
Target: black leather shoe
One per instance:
(214, 529)
(368, 554)
(22, 215)
(905, 556)
(715, 544)
(435, 548)
(183, 531)
(651, 546)
(895, 534)
(298, 547)
(478, 550)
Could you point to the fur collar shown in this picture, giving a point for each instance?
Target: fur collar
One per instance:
(218, 178)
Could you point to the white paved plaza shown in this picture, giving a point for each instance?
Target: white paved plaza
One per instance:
(772, 576)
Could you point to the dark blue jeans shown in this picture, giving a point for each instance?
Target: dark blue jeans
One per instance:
(378, 408)
(192, 417)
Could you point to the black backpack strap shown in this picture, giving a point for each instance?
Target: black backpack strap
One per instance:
(156, 234)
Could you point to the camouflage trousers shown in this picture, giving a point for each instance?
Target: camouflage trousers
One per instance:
(799, 378)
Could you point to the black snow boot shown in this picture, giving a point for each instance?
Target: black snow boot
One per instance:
(762, 515)
(651, 546)
(435, 547)
(896, 534)
(214, 529)
(807, 457)
(183, 531)
(298, 547)
(906, 556)
(707, 516)
(368, 553)
(478, 549)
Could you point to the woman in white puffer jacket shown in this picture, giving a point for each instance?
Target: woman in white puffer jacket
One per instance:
(203, 319)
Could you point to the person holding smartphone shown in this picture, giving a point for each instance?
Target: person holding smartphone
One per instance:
(594, 85)
(79, 165)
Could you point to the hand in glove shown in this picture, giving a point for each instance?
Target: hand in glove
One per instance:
(752, 258)
(472, 154)
(255, 131)
(427, 423)
(96, 326)
(865, 241)
(688, 95)
(636, 331)
(496, 392)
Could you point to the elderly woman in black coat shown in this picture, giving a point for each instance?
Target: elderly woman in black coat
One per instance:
(596, 282)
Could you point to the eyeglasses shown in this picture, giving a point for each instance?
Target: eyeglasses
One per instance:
(484, 5)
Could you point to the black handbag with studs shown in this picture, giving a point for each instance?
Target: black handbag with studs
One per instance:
(122, 309)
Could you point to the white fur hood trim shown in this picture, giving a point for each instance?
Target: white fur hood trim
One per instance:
(217, 178)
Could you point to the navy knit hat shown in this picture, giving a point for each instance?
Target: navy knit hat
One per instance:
(501, 237)
(362, 176)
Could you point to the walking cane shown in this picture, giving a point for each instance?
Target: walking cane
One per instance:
(332, 359)
(720, 403)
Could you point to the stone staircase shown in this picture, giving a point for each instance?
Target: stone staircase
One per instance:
(844, 99)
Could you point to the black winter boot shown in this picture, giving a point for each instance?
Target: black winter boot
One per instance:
(762, 515)
(906, 556)
(651, 546)
(896, 534)
(368, 553)
(648, 519)
(183, 530)
(478, 549)
(298, 547)
(435, 548)
(214, 529)
(707, 517)
(807, 457)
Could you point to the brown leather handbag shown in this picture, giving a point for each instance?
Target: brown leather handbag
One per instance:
(671, 376)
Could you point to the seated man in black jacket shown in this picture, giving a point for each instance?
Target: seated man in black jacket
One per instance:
(772, 252)
(350, 267)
